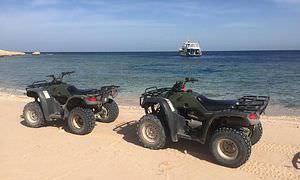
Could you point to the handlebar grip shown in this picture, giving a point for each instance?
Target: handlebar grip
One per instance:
(68, 72)
(187, 79)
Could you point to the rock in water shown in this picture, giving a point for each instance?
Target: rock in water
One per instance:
(10, 53)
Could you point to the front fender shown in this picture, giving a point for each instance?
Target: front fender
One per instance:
(174, 120)
(41, 96)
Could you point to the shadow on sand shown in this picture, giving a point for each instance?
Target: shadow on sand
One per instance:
(200, 151)
(57, 124)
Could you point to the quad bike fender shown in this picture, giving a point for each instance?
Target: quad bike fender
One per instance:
(40, 96)
(173, 121)
(77, 101)
(72, 102)
(230, 118)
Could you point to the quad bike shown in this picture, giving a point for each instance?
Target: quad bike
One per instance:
(230, 127)
(56, 99)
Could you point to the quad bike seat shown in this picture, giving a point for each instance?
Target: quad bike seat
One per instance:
(216, 105)
(75, 91)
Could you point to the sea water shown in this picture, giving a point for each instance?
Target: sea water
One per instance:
(222, 75)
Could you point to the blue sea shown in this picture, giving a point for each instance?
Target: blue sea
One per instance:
(222, 75)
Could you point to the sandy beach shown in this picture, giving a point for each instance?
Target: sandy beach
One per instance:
(222, 73)
(112, 151)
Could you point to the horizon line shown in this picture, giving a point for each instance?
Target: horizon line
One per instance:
(139, 51)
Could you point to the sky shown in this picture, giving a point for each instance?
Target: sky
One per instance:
(148, 25)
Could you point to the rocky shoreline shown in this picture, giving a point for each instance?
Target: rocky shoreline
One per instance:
(10, 53)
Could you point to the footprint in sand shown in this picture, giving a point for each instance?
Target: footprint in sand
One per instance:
(266, 170)
(280, 148)
(165, 166)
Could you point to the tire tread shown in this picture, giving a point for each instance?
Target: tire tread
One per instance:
(113, 111)
(89, 119)
(162, 142)
(257, 134)
(237, 133)
(34, 105)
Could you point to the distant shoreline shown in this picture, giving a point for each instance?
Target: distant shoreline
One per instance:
(4, 53)
(166, 51)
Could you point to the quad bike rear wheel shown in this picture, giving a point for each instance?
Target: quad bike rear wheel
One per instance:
(33, 115)
(230, 147)
(108, 112)
(81, 121)
(256, 133)
(151, 132)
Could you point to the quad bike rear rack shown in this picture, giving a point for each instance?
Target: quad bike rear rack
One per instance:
(253, 103)
(112, 90)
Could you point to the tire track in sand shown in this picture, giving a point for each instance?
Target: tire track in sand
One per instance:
(286, 149)
(267, 170)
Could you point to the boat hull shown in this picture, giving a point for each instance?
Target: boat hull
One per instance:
(183, 53)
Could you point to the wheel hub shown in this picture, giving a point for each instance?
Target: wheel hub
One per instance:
(227, 149)
(77, 121)
(32, 116)
(150, 132)
(103, 114)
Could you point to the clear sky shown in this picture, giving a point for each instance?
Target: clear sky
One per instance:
(140, 25)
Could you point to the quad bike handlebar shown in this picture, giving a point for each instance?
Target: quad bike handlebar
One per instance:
(59, 78)
(190, 79)
(67, 73)
(181, 85)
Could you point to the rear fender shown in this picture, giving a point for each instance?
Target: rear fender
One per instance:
(173, 120)
(229, 119)
(72, 102)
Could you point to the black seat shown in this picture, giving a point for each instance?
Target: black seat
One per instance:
(216, 105)
(75, 91)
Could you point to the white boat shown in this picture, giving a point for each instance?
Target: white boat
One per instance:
(190, 48)
(36, 53)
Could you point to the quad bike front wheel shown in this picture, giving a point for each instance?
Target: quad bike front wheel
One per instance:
(108, 112)
(81, 121)
(256, 133)
(230, 147)
(33, 115)
(151, 132)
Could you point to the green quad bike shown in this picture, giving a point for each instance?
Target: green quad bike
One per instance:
(56, 99)
(230, 127)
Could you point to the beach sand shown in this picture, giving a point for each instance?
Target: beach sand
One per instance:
(112, 151)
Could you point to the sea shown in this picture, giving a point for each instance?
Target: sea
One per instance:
(221, 74)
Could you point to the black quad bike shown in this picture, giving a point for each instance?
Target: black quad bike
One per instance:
(230, 127)
(56, 99)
